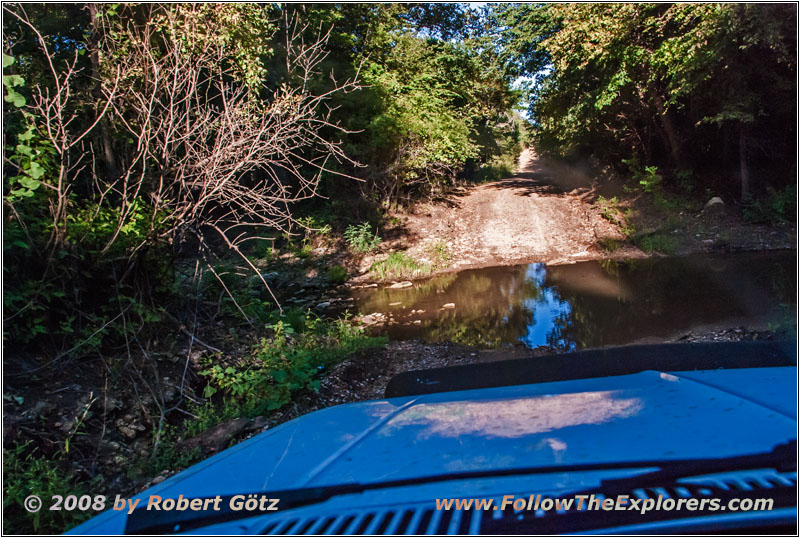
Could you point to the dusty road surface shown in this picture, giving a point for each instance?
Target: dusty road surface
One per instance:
(542, 214)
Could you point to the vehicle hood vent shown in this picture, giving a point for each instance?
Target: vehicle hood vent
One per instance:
(405, 520)
(747, 482)
(780, 487)
(425, 519)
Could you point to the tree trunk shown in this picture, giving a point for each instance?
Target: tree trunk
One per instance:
(109, 160)
(672, 137)
(743, 170)
(665, 122)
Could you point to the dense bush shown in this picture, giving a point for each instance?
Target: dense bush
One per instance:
(287, 362)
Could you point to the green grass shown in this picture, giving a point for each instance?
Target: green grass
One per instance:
(610, 210)
(26, 472)
(499, 167)
(439, 254)
(168, 456)
(609, 244)
(337, 274)
(400, 265)
(656, 242)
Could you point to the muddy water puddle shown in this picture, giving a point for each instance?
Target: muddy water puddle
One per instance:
(589, 304)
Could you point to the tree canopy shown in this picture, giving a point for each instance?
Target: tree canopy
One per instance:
(697, 89)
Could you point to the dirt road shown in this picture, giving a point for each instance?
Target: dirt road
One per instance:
(542, 214)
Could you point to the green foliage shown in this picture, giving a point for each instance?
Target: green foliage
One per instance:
(337, 274)
(498, 167)
(262, 249)
(314, 227)
(33, 155)
(26, 473)
(168, 456)
(361, 238)
(287, 362)
(610, 210)
(303, 251)
(77, 298)
(433, 109)
(647, 179)
(651, 180)
(778, 206)
(62, 276)
(10, 82)
(34, 159)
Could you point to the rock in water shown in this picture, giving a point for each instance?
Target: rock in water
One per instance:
(399, 285)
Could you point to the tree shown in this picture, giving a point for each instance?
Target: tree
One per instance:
(658, 82)
(432, 106)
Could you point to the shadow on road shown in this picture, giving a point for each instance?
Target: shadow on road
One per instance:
(548, 177)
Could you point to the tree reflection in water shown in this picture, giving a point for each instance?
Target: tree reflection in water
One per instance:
(591, 304)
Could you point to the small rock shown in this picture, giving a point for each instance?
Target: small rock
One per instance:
(127, 432)
(400, 285)
(324, 304)
(157, 480)
(449, 305)
(170, 394)
(373, 319)
(41, 409)
(395, 304)
(66, 426)
(715, 201)
(112, 403)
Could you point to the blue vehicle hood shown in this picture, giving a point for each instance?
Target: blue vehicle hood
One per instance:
(645, 416)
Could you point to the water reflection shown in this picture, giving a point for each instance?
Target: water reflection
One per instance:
(518, 417)
(550, 314)
(593, 303)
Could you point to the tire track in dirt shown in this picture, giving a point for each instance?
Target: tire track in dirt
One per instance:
(541, 214)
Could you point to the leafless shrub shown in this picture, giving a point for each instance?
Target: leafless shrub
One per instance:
(207, 150)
